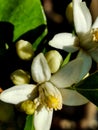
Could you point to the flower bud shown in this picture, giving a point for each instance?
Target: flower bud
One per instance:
(24, 50)
(28, 107)
(54, 60)
(20, 77)
(69, 13)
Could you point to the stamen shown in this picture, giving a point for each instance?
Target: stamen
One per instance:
(50, 96)
(95, 34)
(52, 102)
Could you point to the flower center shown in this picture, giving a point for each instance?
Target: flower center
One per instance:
(50, 96)
(52, 102)
(95, 34)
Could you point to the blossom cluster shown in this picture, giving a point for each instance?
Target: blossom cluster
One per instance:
(51, 82)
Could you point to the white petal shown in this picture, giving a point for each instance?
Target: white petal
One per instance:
(50, 89)
(95, 24)
(69, 74)
(72, 97)
(78, 1)
(87, 62)
(65, 41)
(18, 93)
(82, 17)
(42, 119)
(39, 69)
(94, 54)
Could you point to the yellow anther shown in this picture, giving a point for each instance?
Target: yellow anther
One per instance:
(52, 102)
(50, 96)
(28, 107)
(95, 34)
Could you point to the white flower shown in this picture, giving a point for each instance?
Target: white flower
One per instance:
(86, 40)
(49, 91)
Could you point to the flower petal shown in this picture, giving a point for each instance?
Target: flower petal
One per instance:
(69, 74)
(39, 69)
(72, 97)
(94, 54)
(17, 94)
(42, 119)
(87, 62)
(95, 24)
(65, 41)
(82, 17)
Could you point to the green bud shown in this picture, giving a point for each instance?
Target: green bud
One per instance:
(20, 77)
(54, 60)
(28, 107)
(69, 13)
(24, 50)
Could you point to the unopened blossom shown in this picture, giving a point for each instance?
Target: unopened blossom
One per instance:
(24, 50)
(20, 76)
(49, 91)
(69, 13)
(86, 38)
(54, 59)
(28, 107)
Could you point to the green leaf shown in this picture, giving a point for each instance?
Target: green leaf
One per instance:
(21, 19)
(25, 15)
(66, 60)
(29, 123)
(89, 87)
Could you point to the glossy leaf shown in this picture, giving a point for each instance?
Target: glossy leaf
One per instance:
(25, 15)
(89, 87)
